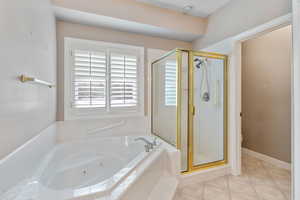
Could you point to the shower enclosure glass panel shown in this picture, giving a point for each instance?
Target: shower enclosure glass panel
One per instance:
(164, 100)
(209, 131)
(170, 101)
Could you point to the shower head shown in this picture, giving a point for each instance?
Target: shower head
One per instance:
(200, 62)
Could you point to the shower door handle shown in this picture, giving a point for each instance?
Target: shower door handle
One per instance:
(194, 110)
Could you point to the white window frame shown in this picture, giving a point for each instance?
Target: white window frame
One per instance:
(71, 113)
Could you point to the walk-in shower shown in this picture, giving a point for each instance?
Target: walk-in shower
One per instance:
(189, 106)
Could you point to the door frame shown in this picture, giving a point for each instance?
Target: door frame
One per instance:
(295, 101)
(237, 51)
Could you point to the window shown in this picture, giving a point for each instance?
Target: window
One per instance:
(102, 79)
(123, 80)
(89, 82)
(170, 83)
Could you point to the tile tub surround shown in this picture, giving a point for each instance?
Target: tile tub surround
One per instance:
(259, 181)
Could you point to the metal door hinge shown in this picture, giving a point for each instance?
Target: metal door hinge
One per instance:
(194, 110)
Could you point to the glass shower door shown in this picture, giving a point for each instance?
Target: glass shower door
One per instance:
(209, 131)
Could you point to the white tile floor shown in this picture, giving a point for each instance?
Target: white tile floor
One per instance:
(259, 181)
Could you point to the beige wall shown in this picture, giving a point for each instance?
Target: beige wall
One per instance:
(239, 16)
(27, 46)
(65, 29)
(266, 94)
(132, 10)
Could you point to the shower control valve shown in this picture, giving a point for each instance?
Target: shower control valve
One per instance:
(154, 141)
(147, 148)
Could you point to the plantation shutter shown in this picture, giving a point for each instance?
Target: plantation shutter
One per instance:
(89, 79)
(170, 83)
(123, 80)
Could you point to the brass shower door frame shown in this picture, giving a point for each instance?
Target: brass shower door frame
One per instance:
(191, 93)
(178, 53)
(191, 108)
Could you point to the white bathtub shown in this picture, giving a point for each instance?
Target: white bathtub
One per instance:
(98, 163)
(102, 169)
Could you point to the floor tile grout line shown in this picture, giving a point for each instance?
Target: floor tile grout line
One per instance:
(252, 185)
(276, 185)
(228, 187)
(248, 166)
(271, 177)
(203, 190)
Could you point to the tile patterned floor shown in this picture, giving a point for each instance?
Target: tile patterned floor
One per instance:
(259, 181)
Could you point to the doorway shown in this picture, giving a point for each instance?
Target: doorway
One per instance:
(266, 109)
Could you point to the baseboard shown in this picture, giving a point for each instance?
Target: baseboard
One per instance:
(268, 159)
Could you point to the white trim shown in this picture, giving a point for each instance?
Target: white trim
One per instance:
(268, 159)
(295, 102)
(227, 44)
(73, 114)
(235, 125)
(267, 27)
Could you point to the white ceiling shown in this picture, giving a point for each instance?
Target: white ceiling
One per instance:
(201, 8)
